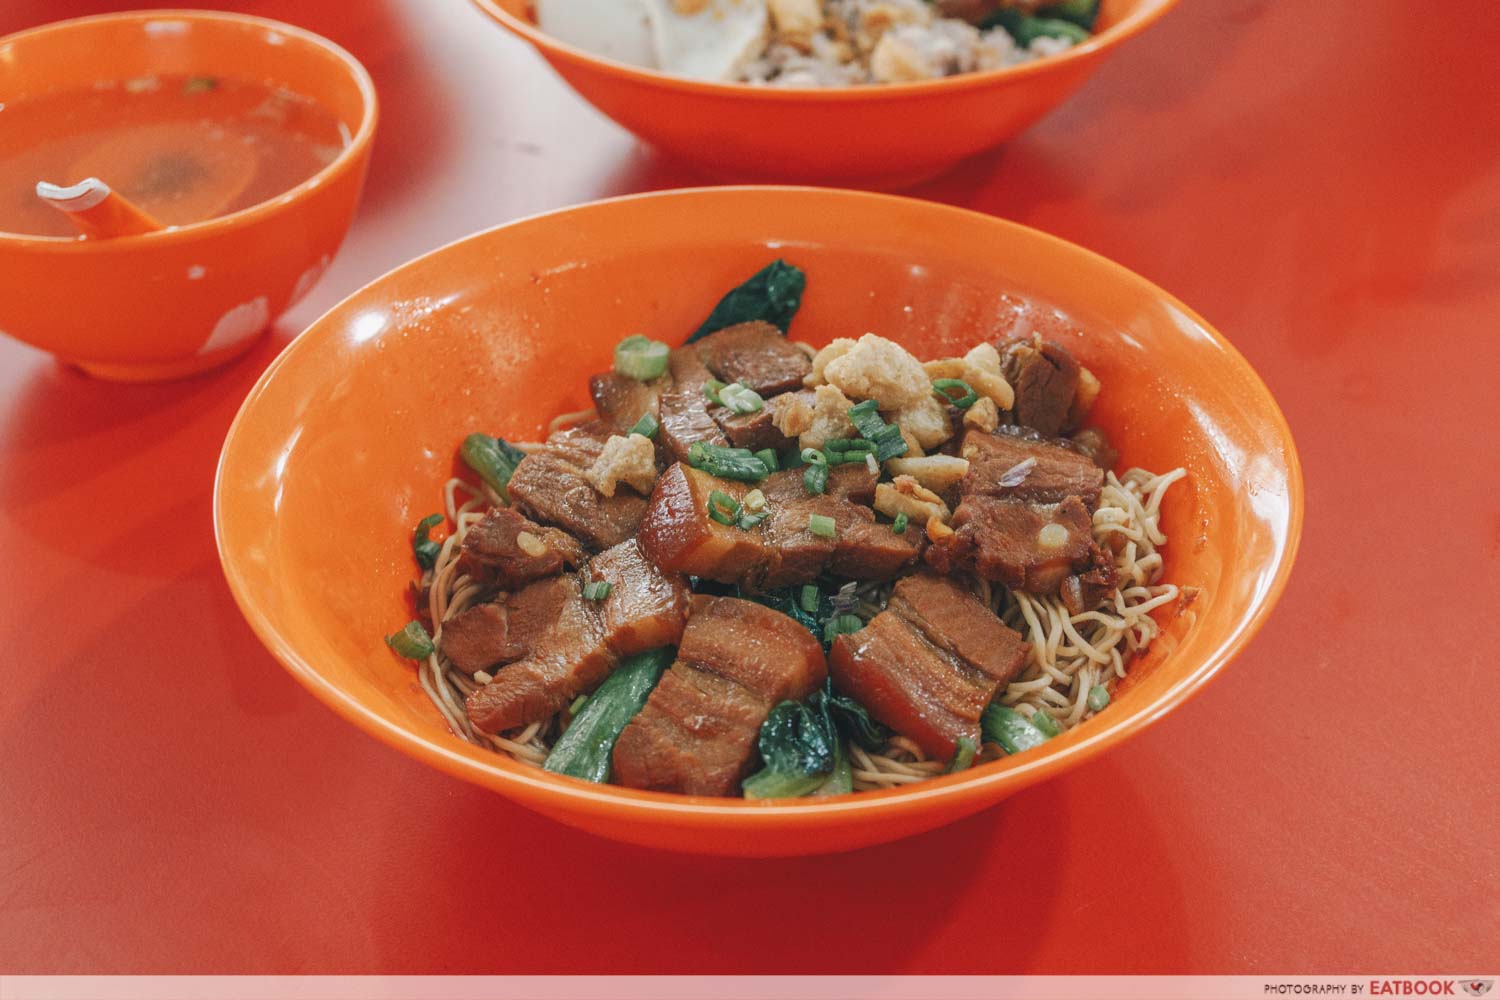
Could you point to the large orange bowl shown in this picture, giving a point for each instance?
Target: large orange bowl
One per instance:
(348, 437)
(178, 301)
(878, 136)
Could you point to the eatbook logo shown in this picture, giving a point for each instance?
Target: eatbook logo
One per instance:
(1477, 987)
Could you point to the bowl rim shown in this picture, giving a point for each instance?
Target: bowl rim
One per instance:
(533, 785)
(1147, 12)
(357, 147)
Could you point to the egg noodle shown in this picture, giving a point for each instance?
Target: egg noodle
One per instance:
(1069, 654)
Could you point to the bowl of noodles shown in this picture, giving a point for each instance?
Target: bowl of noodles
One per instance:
(356, 492)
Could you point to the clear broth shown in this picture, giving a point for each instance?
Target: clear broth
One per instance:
(184, 148)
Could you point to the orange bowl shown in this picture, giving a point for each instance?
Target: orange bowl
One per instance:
(348, 437)
(884, 136)
(182, 300)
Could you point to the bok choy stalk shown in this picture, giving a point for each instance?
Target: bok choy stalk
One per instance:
(584, 750)
(1009, 728)
(492, 458)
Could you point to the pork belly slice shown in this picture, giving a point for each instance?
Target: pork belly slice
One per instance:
(1056, 473)
(506, 549)
(621, 400)
(758, 430)
(645, 609)
(756, 355)
(929, 664)
(1030, 547)
(684, 408)
(696, 734)
(504, 630)
(550, 486)
(678, 534)
(1045, 377)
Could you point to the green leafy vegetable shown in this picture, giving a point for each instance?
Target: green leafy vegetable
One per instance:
(1046, 724)
(1025, 28)
(964, 757)
(641, 358)
(841, 781)
(412, 642)
(492, 458)
(852, 719)
(584, 750)
(1084, 13)
(422, 545)
(646, 427)
(772, 294)
(1010, 729)
(796, 750)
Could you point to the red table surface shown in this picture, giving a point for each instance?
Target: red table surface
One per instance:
(1319, 180)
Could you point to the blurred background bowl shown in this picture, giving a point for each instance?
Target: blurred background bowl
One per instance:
(174, 302)
(886, 136)
(347, 439)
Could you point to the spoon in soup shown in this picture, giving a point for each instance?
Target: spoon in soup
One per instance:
(98, 211)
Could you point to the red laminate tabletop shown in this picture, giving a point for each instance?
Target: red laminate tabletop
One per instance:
(1322, 181)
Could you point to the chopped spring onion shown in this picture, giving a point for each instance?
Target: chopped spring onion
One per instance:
(886, 437)
(722, 507)
(807, 599)
(412, 642)
(1098, 698)
(748, 521)
(646, 427)
(741, 398)
(727, 463)
(842, 625)
(640, 358)
(813, 456)
(965, 755)
(841, 451)
(422, 545)
(492, 458)
(755, 501)
(815, 479)
(768, 456)
(755, 510)
(1010, 729)
(943, 390)
(578, 704)
(820, 525)
(597, 591)
(899, 525)
(711, 390)
(871, 464)
(1046, 724)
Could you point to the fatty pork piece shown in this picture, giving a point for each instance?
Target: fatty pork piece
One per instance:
(755, 355)
(551, 485)
(1025, 519)
(574, 643)
(621, 400)
(506, 550)
(697, 733)
(678, 534)
(929, 664)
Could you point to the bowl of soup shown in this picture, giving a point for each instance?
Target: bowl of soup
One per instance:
(246, 139)
(802, 126)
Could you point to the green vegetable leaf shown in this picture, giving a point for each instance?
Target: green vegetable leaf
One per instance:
(852, 719)
(1026, 29)
(1084, 13)
(1009, 728)
(492, 458)
(772, 294)
(584, 750)
(422, 545)
(964, 757)
(797, 751)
